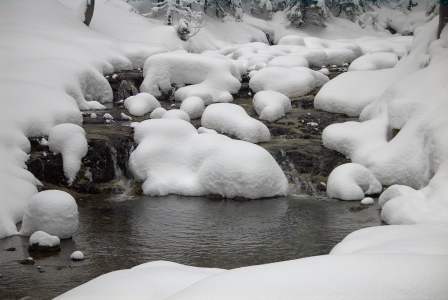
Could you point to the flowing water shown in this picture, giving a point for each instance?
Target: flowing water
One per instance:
(195, 231)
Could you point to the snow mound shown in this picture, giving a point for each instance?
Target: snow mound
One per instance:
(158, 113)
(352, 182)
(271, 105)
(288, 61)
(155, 280)
(193, 106)
(291, 40)
(77, 256)
(69, 140)
(173, 158)
(292, 82)
(43, 239)
(210, 78)
(141, 104)
(396, 239)
(374, 61)
(52, 211)
(233, 120)
(176, 114)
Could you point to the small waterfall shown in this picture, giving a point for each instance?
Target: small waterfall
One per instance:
(124, 184)
(300, 185)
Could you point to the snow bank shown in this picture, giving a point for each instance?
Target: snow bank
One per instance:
(340, 277)
(52, 211)
(43, 239)
(374, 61)
(233, 120)
(141, 104)
(173, 158)
(292, 82)
(69, 140)
(156, 281)
(193, 106)
(271, 105)
(352, 182)
(210, 78)
(396, 240)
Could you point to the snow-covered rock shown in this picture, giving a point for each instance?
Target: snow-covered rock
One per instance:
(374, 61)
(43, 240)
(54, 212)
(233, 120)
(69, 140)
(292, 82)
(176, 114)
(77, 256)
(212, 79)
(141, 104)
(155, 280)
(352, 182)
(291, 40)
(367, 201)
(193, 106)
(157, 113)
(271, 105)
(173, 158)
(288, 61)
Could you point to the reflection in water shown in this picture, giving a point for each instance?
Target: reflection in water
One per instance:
(195, 231)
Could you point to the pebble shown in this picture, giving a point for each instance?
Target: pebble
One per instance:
(77, 256)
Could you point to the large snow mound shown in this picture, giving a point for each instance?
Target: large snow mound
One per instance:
(374, 61)
(52, 211)
(210, 78)
(173, 158)
(69, 140)
(155, 280)
(233, 120)
(141, 104)
(292, 82)
(271, 105)
(352, 182)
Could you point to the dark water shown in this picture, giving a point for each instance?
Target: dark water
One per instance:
(195, 231)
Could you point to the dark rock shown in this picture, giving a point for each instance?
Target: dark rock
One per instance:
(10, 249)
(46, 249)
(27, 261)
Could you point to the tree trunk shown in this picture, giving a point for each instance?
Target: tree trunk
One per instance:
(89, 11)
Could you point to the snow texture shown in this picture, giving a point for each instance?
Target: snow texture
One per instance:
(52, 211)
(69, 140)
(352, 182)
(271, 105)
(374, 61)
(43, 239)
(157, 113)
(141, 104)
(176, 114)
(193, 106)
(77, 255)
(173, 158)
(233, 120)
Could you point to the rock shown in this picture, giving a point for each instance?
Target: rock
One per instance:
(27, 261)
(10, 249)
(77, 256)
(367, 201)
(126, 89)
(41, 241)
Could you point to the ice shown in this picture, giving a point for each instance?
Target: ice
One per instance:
(43, 239)
(271, 105)
(292, 82)
(69, 140)
(141, 104)
(193, 106)
(52, 211)
(374, 61)
(173, 158)
(352, 182)
(233, 120)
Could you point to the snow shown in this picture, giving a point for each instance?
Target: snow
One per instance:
(176, 114)
(52, 211)
(44, 239)
(271, 105)
(77, 255)
(374, 61)
(141, 104)
(193, 106)
(108, 117)
(157, 113)
(210, 78)
(233, 120)
(368, 201)
(173, 158)
(69, 140)
(396, 240)
(352, 182)
(288, 61)
(292, 82)
(155, 280)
